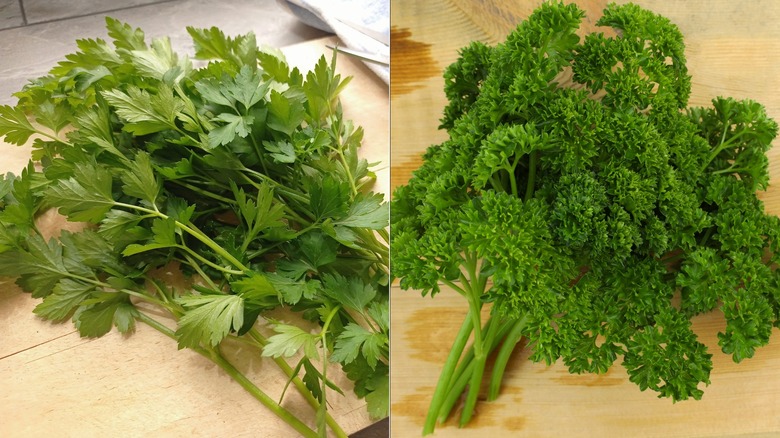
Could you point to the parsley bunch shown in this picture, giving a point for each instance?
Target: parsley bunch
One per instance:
(580, 196)
(242, 173)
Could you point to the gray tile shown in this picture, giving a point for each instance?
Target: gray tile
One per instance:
(30, 51)
(10, 14)
(39, 11)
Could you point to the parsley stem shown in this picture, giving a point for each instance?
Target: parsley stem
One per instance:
(195, 232)
(192, 230)
(471, 325)
(205, 277)
(445, 377)
(723, 144)
(463, 374)
(731, 169)
(208, 262)
(512, 182)
(261, 341)
(480, 358)
(507, 347)
(339, 149)
(529, 188)
(259, 152)
(261, 396)
(217, 358)
(145, 297)
(53, 138)
(706, 237)
(109, 288)
(279, 188)
(373, 246)
(324, 339)
(203, 192)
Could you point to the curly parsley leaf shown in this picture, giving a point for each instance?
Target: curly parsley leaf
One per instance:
(577, 209)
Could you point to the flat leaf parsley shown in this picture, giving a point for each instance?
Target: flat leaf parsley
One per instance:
(243, 173)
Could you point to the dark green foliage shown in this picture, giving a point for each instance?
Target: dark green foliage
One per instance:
(578, 194)
(244, 172)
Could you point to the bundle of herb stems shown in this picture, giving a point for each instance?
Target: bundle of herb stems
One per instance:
(243, 174)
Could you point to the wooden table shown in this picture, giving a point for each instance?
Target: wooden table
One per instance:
(55, 383)
(732, 49)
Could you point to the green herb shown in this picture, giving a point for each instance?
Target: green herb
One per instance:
(242, 173)
(580, 197)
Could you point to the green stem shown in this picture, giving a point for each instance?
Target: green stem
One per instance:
(53, 138)
(507, 347)
(323, 409)
(278, 188)
(261, 396)
(259, 153)
(706, 237)
(373, 247)
(454, 287)
(512, 182)
(465, 371)
(202, 274)
(480, 358)
(108, 287)
(723, 144)
(144, 297)
(445, 377)
(261, 341)
(208, 262)
(529, 188)
(496, 182)
(192, 230)
(339, 149)
(731, 169)
(462, 374)
(216, 357)
(203, 192)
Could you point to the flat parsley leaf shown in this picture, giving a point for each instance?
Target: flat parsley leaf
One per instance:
(355, 340)
(209, 318)
(290, 339)
(368, 211)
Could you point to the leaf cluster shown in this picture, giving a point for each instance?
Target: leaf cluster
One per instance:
(242, 173)
(579, 194)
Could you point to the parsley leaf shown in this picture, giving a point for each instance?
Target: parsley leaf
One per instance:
(577, 209)
(290, 339)
(86, 196)
(240, 177)
(355, 340)
(209, 318)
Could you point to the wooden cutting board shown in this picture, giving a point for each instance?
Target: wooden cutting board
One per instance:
(54, 383)
(732, 49)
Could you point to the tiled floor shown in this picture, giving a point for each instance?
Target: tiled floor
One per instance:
(35, 34)
(24, 12)
(11, 14)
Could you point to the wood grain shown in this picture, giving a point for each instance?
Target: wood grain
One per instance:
(732, 49)
(55, 383)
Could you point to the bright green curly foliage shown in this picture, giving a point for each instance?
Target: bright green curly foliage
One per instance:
(580, 190)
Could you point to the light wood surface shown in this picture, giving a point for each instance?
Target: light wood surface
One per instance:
(732, 49)
(54, 383)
